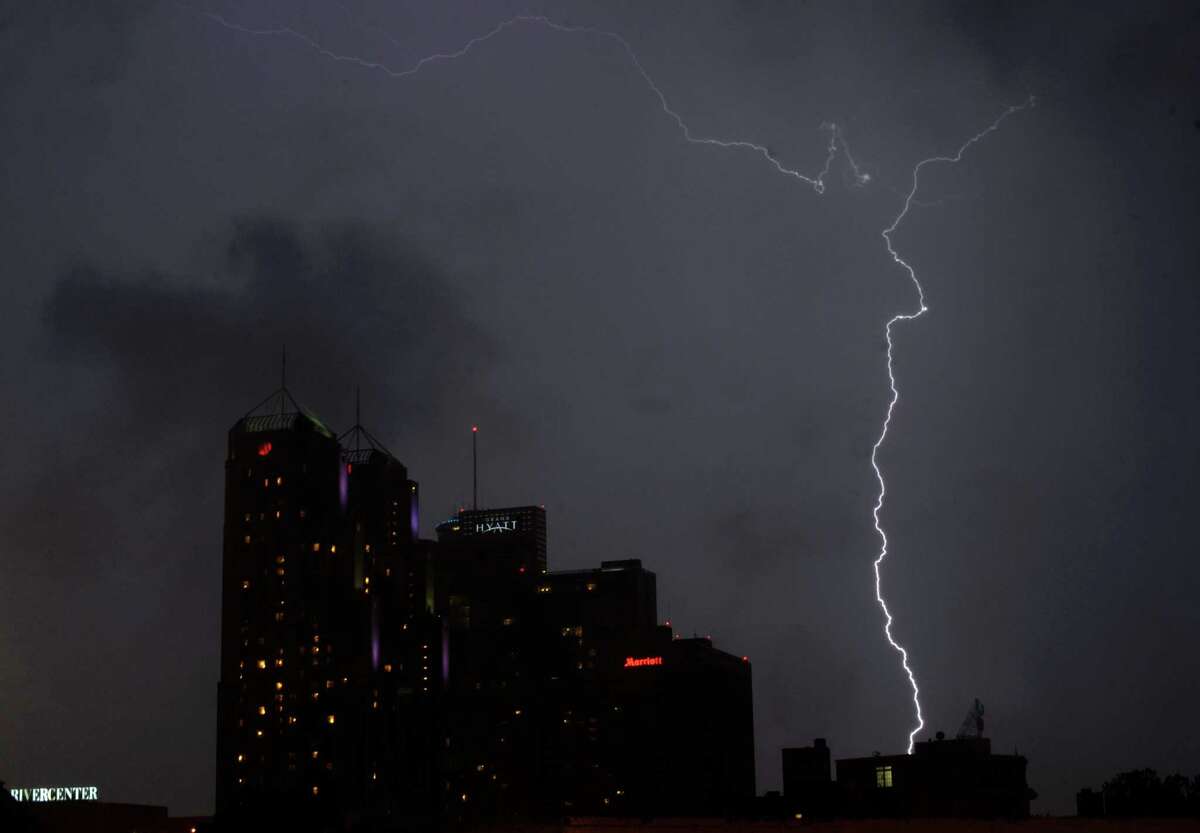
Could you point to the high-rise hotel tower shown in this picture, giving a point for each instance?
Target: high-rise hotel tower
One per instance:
(329, 650)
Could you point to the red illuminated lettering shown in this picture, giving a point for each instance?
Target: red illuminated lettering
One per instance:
(639, 662)
(264, 449)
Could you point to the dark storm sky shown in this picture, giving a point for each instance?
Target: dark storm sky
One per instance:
(675, 349)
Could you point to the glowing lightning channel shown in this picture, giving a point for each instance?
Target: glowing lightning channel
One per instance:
(911, 316)
(817, 183)
(835, 145)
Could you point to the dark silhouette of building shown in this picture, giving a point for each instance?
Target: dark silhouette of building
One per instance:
(328, 644)
(808, 780)
(942, 777)
(373, 679)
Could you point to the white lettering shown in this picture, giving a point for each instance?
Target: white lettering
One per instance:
(41, 794)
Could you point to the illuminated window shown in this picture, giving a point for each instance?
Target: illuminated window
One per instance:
(333, 719)
(316, 789)
(258, 732)
(278, 481)
(262, 663)
(241, 758)
(279, 616)
(279, 663)
(262, 711)
(315, 754)
(883, 776)
(333, 548)
(278, 685)
(316, 547)
(387, 669)
(591, 585)
(246, 539)
(245, 585)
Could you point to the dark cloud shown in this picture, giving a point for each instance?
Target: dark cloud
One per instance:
(675, 349)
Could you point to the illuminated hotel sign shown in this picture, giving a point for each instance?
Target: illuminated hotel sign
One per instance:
(496, 526)
(55, 794)
(639, 662)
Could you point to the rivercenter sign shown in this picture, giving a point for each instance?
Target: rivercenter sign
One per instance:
(55, 793)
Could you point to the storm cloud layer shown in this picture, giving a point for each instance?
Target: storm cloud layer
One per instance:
(676, 350)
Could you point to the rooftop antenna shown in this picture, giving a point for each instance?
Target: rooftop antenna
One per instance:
(474, 466)
(357, 414)
(282, 379)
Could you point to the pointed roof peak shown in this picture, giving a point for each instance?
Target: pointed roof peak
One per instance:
(358, 442)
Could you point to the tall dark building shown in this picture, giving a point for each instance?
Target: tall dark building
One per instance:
(372, 678)
(328, 643)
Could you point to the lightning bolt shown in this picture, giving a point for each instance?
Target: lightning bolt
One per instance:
(816, 182)
(836, 144)
(887, 420)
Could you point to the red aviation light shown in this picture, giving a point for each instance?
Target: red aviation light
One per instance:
(264, 449)
(641, 662)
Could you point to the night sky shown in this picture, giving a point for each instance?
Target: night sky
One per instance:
(677, 350)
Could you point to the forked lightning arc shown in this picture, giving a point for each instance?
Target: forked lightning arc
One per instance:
(835, 145)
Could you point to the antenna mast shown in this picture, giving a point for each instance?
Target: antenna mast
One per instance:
(474, 466)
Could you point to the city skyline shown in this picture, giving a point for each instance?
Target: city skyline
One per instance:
(673, 348)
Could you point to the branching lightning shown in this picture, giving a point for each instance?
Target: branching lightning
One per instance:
(887, 421)
(835, 145)
(817, 182)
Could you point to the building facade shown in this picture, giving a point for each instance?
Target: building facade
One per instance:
(371, 677)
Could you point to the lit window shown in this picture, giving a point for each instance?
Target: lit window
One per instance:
(258, 732)
(279, 663)
(262, 711)
(332, 719)
(241, 758)
(316, 547)
(246, 539)
(278, 685)
(278, 481)
(315, 754)
(591, 585)
(262, 663)
(387, 669)
(279, 616)
(883, 776)
(316, 789)
(246, 585)
(333, 548)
